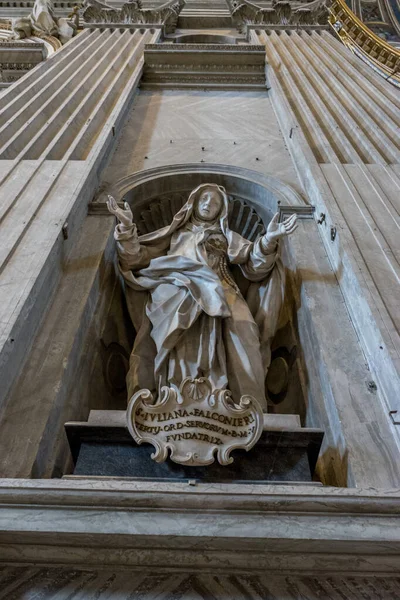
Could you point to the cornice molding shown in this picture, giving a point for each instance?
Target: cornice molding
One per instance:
(206, 48)
(212, 527)
(159, 176)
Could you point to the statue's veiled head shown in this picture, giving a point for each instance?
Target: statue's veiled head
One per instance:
(208, 204)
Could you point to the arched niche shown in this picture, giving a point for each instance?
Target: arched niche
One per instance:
(158, 193)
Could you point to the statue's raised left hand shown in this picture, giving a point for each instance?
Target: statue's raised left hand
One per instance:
(277, 230)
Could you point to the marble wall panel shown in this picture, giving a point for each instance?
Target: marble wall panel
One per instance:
(367, 200)
(360, 446)
(172, 127)
(47, 116)
(343, 122)
(353, 188)
(63, 378)
(159, 527)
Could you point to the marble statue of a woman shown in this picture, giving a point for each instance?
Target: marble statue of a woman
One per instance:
(190, 316)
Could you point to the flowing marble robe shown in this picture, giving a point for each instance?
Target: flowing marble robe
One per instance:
(43, 17)
(192, 319)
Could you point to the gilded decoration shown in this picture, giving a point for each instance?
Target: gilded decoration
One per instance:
(373, 50)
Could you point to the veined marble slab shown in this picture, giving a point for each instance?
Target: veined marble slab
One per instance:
(244, 529)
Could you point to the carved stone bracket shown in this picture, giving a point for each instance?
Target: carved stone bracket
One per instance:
(18, 57)
(194, 423)
(281, 12)
(302, 212)
(133, 13)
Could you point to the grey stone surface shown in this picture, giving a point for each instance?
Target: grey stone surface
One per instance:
(359, 200)
(72, 328)
(360, 441)
(234, 129)
(71, 584)
(278, 456)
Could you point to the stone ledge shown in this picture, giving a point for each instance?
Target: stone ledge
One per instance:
(115, 493)
(212, 527)
(283, 454)
(205, 49)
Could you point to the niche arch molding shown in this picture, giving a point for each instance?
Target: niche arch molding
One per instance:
(264, 194)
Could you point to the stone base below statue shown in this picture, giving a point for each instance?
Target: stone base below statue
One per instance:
(285, 453)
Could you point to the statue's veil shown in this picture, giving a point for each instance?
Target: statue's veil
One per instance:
(186, 213)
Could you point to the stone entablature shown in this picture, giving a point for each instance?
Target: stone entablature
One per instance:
(227, 66)
(17, 58)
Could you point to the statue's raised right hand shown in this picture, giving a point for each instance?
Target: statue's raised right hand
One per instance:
(125, 217)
